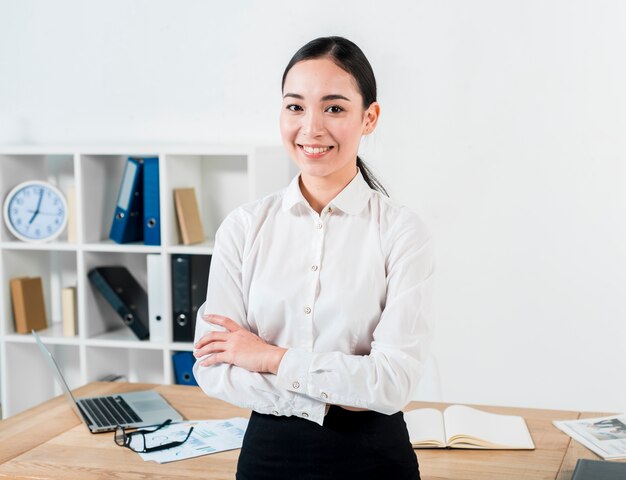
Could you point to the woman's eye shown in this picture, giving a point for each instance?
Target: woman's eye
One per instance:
(334, 109)
(294, 108)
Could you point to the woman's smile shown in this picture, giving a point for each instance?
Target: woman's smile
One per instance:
(314, 151)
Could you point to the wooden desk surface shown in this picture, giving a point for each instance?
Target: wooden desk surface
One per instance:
(49, 441)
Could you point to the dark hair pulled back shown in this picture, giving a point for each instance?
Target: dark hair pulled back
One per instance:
(349, 57)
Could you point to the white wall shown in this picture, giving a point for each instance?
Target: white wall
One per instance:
(502, 125)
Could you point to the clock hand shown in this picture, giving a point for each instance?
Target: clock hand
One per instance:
(43, 213)
(38, 205)
(40, 197)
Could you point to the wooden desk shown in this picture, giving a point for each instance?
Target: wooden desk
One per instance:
(49, 441)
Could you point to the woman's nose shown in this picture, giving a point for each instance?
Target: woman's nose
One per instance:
(313, 123)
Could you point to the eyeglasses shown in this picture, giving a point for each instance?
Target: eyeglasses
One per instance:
(123, 438)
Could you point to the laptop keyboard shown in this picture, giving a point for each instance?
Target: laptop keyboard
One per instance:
(110, 411)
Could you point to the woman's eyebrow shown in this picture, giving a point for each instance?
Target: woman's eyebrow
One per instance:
(325, 98)
(334, 97)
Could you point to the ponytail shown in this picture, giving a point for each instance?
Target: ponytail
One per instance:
(369, 177)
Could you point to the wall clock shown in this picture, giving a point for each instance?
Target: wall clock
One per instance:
(35, 211)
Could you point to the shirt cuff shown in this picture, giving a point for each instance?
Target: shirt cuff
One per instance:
(293, 375)
(293, 371)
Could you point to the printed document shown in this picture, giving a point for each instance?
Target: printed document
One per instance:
(605, 436)
(208, 436)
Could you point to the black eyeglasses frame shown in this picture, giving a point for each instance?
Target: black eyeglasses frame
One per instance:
(123, 438)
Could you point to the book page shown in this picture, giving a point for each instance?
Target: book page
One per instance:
(425, 426)
(468, 427)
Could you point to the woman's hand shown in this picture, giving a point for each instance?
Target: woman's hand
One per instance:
(237, 346)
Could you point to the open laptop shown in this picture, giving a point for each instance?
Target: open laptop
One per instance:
(104, 413)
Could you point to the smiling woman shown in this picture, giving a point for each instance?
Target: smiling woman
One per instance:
(343, 66)
(322, 122)
(317, 311)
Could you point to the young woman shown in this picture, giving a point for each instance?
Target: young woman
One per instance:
(316, 315)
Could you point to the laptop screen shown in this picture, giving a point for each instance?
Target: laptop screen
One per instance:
(57, 371)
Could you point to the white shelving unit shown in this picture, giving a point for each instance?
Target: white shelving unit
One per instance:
(223, 178)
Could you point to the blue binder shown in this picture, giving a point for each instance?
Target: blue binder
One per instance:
(151, 208)
(183, 368)
(127, 223)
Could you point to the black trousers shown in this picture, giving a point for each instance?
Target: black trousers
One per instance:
(350, 445)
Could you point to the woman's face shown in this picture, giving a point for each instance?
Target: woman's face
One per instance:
(322, 119)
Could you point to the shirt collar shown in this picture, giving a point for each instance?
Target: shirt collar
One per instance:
(352, 199)
(293, 195)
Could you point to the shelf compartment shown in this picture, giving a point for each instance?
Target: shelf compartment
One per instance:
(221, 184)
(101, 176)
(41, 384)
(102, 317)
(57, 270)
(135, 365)
(57, 169)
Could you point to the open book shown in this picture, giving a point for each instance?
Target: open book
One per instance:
(465, 427)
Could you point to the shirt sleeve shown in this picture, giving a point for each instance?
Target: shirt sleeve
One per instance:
(385, 379)
(236, 385)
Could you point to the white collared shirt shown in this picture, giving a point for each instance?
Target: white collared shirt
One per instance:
(347, 293)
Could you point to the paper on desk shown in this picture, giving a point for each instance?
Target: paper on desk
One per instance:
(605, 436)
(208, 436)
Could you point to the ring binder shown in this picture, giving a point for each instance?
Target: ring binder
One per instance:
(183, 368)
(151, 206)
(190, 275)
(125, 295)
(156, 297)
(128, 218)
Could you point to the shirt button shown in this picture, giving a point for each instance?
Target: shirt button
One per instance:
(274, 412)
(305, 415)
(295, 385)
(319, 225)
(307, 310)
(324, 395)
(314, 268)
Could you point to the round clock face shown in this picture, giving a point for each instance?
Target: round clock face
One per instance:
(35, 211)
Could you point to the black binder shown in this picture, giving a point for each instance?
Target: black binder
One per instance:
(599, 470)
(125, 295)
(190, 275)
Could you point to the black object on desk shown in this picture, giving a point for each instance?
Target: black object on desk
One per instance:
(599, 470)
